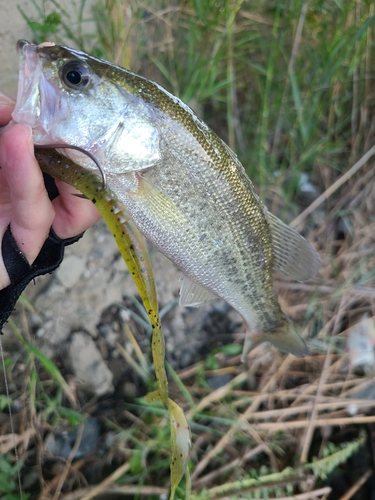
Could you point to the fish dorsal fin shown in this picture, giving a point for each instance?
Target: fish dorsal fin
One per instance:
(194, 295)
(294, 256)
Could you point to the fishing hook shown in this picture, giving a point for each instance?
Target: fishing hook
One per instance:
(81, 150)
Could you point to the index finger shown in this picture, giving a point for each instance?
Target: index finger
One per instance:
(31, 210)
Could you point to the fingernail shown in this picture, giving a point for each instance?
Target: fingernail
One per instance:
(27, 130)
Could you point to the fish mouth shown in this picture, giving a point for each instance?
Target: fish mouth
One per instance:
(21, 44)
(27, 52)
(35, 98)
(26, 109)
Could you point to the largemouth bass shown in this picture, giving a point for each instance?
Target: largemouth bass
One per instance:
(184, 188)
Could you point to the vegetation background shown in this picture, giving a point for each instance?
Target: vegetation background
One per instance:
(289, 85)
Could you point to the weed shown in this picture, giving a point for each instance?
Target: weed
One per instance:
(9, 488)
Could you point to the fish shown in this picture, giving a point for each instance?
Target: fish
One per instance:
(183, 187)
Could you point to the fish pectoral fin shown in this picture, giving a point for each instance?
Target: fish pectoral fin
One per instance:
(193, 295)
(294, 256)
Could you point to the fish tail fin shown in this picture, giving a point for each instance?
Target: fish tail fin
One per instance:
(285, 337)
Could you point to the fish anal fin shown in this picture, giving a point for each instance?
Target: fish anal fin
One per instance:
(294, 256)
(194, 295)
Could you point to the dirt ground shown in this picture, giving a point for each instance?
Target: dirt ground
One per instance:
(12, 28)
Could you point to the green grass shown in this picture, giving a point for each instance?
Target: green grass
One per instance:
(286, 84)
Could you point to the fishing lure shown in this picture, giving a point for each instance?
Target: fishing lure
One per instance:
(134, 252)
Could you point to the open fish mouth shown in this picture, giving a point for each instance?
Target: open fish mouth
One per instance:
(100, 117)
(28, 89)
(30, 100)
(21, 44)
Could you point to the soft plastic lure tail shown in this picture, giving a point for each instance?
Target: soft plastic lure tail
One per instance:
(133, 249)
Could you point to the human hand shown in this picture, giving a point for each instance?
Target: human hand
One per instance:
(24, 202)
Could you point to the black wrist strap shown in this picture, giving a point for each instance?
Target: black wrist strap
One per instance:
(21, 272)
(15, 262)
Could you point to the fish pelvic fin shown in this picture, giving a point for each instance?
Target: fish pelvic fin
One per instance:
(284, 336)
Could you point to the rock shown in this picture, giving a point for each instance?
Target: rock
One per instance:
(217, 381)
(71, 270)
(87, 364)
(60, 443)
(361, 343)
(91, 277)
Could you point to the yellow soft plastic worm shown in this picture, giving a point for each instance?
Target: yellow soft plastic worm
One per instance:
(134, 252)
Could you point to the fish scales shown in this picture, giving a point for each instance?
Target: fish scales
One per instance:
(233, 237)
(184, 188)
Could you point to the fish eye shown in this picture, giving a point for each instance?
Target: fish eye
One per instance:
(75, 75)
